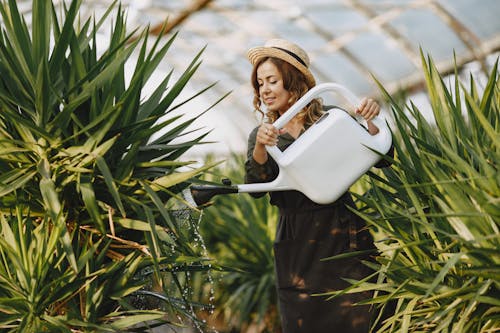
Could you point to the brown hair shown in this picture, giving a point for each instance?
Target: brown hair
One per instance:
(295, 83)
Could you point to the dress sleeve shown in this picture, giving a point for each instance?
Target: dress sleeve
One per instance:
(255, 172)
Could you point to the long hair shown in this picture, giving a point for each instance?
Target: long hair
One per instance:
(295, 83)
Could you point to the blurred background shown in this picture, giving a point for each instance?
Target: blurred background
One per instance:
(349, 41)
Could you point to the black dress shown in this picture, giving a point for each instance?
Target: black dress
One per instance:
(308, 232)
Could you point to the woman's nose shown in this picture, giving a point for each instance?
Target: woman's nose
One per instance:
(264, 88)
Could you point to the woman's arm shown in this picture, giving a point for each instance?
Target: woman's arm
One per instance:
(258, 171)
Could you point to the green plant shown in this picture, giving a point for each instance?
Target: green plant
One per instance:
(239, 234)
(438, 209)
(84, 183)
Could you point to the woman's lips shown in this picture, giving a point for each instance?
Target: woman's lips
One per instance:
(268, 101)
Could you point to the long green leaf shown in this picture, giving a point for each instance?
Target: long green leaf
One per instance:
(89, 198)
(108, 178)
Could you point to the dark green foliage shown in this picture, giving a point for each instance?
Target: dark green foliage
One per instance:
(83, 180)
(437, 212)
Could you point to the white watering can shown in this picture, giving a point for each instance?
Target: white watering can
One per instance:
(324, 161)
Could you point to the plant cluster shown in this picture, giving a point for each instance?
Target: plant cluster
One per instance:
(84, 181)
(438, 213)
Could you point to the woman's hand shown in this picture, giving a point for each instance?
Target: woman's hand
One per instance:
(369, 109)
(267, 135)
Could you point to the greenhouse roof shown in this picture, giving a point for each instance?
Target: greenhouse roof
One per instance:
(349, 41)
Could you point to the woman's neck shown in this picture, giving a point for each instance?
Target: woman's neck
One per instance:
(294, 127)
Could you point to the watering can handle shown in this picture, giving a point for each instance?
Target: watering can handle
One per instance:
(304, 100)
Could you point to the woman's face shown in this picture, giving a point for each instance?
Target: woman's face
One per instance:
(271, 89)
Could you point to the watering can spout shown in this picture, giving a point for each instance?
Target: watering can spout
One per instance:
(202, 194)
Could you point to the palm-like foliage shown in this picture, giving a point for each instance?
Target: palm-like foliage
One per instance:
(83, 182)
(438, 208)
(239, 234)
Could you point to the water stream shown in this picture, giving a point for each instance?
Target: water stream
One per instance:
(195, 217)
(183, 281)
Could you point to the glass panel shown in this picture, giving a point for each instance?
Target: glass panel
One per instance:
(481, 17)
(336, 67)
(381, 55)
(423, 28)
(387, 3)
(338, 20)
(173, 6)
(232, 4)
(204, 22)
(304, 38)
(315, 3)
(285, 3)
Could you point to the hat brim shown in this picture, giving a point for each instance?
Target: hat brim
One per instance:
(257, 53)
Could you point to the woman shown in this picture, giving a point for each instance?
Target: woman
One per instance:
(307, 232)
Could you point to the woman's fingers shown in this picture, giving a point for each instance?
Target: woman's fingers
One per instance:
(361, 105)
(368, 109)
(373, 110)
(267, 135)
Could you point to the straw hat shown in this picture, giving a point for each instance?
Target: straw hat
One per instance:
(287, 51)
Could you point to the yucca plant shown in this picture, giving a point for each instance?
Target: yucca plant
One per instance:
(85, 184)
(438, 209)
(239, 234)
